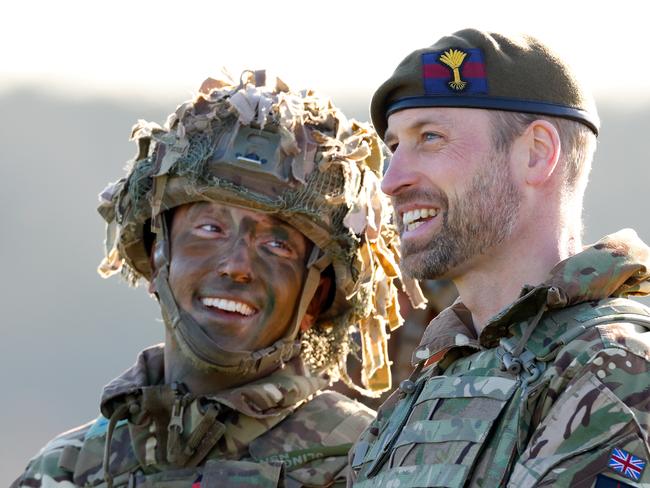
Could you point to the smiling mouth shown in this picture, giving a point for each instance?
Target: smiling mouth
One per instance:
(226, 305)
(413, 219)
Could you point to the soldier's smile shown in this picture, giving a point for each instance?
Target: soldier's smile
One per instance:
(219, 304)
(237, 272)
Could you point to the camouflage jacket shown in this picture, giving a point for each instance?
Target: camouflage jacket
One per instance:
(281, 430)
(555, 391)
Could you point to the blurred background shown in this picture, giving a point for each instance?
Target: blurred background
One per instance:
(75, 76)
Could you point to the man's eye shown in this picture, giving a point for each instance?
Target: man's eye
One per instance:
(279, 248)
(430, 137)
(278, 244)
(210, 228)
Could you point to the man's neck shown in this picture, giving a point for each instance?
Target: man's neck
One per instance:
(495, 280)
(199, 381)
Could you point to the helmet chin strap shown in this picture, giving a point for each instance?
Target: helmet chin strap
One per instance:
(200, 348)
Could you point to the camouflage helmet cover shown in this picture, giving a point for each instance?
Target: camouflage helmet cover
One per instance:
(291, 154)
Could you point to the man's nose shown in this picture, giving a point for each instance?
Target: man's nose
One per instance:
(399, 176)
(237, 265)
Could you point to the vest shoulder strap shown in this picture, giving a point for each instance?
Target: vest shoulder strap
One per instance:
(559, 327)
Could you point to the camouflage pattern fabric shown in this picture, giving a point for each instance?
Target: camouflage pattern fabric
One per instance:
(281, 430)
(470, 416)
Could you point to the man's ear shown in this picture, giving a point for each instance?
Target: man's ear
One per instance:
(151, 287)
(317, 303)
(543, 151)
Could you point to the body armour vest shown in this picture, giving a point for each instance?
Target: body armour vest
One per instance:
(468, 420)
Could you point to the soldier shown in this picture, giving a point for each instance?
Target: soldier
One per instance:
(539, 374)
(255, 217)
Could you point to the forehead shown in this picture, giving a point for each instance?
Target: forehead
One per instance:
(450, 118)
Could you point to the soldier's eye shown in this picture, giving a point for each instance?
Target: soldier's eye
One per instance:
(208, 230)
(279, 248)
(278, 244)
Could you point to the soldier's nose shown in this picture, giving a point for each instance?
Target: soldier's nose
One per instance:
(237, 264)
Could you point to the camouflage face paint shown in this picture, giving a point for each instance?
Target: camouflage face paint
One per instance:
(237, 272)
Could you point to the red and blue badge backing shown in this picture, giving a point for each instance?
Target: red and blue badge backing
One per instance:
(436, 75)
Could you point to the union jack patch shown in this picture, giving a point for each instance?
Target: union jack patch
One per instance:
(626, 464)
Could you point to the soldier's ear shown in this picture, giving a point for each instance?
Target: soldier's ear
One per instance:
(151, 287)
(150, 243)
(318, 303)
(543, 141)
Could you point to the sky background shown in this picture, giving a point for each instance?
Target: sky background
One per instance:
(75, 76)
(162, 48)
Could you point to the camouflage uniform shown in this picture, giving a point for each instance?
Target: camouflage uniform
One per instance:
(281, 428)
(552, 386)
(292, 155)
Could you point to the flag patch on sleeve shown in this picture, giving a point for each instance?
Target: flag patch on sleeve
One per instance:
(626, 464)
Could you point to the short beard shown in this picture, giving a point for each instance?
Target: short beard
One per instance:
(472, 223)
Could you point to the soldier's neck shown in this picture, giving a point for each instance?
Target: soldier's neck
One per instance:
(199, 381)
(496, 279)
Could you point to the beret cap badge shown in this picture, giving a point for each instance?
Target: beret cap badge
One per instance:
(454, 71)
(454, 58)
(485, 70)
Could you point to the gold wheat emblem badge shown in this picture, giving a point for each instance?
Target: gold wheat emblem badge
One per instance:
(454, 59)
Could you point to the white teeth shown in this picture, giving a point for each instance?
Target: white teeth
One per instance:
(414, 225)
(228, 305)
(409, 218)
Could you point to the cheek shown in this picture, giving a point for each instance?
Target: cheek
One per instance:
(283, 280)
(184, 274)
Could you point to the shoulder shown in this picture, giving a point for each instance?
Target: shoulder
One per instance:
(75, 458)
(314, 441)
(329, 409)
(595, 399)
(54, 463)
(595, 349)
(574, 336)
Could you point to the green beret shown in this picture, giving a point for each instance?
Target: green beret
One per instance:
(477, 69)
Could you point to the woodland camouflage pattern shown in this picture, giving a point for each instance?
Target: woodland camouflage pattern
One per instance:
(466, 421)
(281, 430)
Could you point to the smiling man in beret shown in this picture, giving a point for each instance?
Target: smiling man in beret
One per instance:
(539, 374)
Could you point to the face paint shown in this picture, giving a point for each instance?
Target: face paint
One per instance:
(237, 272)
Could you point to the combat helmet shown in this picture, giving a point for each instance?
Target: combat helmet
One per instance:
(293, 155)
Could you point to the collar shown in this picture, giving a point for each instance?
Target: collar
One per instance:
(279, 392)
(616, 266)
(187, 428)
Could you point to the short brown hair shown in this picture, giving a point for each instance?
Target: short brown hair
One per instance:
(577, 141)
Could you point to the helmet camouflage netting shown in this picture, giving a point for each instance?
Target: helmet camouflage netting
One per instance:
(291, 154)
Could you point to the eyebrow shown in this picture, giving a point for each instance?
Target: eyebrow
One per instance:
(268, 218)
(417, 123)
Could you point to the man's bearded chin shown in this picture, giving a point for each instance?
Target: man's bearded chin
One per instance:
(472, 224)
